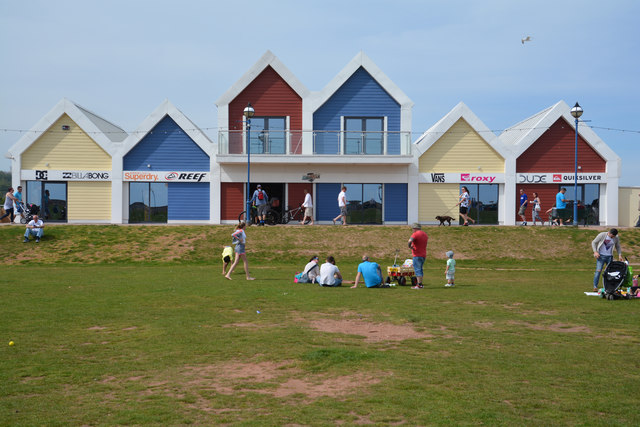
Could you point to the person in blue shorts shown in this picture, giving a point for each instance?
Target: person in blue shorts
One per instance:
(371, 274)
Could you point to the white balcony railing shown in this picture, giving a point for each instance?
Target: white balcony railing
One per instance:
(315, 142)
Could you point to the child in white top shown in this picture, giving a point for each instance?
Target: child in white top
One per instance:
(450, 270)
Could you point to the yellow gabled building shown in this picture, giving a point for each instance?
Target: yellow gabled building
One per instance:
(64, 164)
(460, 150)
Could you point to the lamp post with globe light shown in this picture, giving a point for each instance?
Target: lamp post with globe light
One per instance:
(576, 112)
(248, 113)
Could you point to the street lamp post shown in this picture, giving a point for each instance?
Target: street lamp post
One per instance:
(248, 113)
(576, 112)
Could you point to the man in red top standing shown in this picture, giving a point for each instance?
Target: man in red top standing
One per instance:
(418, 246)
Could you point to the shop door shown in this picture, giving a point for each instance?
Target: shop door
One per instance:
(50, 197)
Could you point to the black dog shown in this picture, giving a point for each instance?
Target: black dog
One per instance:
(443, 219)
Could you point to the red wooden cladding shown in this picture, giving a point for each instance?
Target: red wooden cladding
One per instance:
(295, 196)
(547, 194)
(554, 151)
(231, 200)
(270, 96)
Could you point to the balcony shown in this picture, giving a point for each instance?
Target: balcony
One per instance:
(332, 143)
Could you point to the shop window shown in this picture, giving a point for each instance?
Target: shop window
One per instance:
(148, 202)
(364, 203)
(588, 202)
(50, 197)
(484, 202)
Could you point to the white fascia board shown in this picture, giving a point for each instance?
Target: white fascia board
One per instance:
(166, 108)
(361, 60)
(460, 111)
(268, 59)
(64, 106)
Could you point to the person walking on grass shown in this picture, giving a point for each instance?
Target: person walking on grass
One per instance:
(308, 208)
(261, 200)
(342, 205)
(603, 246)
(418, 245)
(524, 201)
(9, 200)
(239, 239)
(450, 271)
(465, 198)
(638, 221)
(535, 212)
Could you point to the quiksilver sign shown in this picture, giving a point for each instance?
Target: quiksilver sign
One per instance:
(559, 178)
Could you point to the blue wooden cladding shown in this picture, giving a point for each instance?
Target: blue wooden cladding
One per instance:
(395, 202)
(359, 96)
(188, 201)
(166, 148)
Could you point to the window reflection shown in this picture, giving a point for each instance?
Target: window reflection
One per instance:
(484, 202)
(148, 202)
(364, 203)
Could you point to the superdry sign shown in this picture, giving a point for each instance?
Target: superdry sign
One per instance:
(169, 176)
(559, 178)
(62, 175)
(457, 178)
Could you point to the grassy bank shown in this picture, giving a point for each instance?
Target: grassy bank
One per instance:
(158, 337)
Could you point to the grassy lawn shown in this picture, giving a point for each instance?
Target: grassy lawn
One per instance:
(136, 325)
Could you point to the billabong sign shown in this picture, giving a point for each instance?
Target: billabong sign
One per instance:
(64, 175)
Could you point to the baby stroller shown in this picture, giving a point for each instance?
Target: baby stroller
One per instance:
(28, 211)
(614, 276)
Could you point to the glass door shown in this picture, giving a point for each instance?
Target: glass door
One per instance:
(50, 197)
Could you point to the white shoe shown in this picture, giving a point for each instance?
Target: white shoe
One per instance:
(449, 285)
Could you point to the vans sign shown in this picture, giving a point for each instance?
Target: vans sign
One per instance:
(457, 178)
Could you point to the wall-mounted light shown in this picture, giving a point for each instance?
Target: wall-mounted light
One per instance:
(66, 127)
(149, 165)
(46, 164)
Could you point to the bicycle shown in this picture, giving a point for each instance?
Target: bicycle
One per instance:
(295, 214)
(271, 217)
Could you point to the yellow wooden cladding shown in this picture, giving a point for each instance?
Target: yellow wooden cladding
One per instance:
(437, 199)
(69, 149)
(89, 200)
(461, 149)
(628, 209)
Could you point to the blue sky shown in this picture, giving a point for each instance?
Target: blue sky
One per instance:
(121, 59)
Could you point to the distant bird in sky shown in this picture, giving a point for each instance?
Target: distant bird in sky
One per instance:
(526, 39)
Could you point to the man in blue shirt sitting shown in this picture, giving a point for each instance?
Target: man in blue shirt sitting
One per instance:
(371, 273)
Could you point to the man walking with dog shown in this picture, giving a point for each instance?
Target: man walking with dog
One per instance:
(418, 245)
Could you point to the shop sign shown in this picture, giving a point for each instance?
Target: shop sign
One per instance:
(167, 176)
(64, 175)
(456, 178)
(559, 178)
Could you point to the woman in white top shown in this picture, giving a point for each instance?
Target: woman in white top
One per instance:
(537, 207)
(312, 270)
(9, 198)
(464, 205)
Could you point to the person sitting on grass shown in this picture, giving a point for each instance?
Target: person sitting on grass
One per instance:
(371, 273)
(34, 227)
(329, 273)
(311, 271)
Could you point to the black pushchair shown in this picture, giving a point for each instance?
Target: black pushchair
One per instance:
(28, 211)
(614, 276)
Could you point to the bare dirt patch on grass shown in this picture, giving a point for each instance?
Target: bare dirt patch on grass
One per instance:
(556, 327)
(277, 379)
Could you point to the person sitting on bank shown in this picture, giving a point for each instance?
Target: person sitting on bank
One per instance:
(329, 273)
(311, 270)
(371, 273)
(34, 227)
